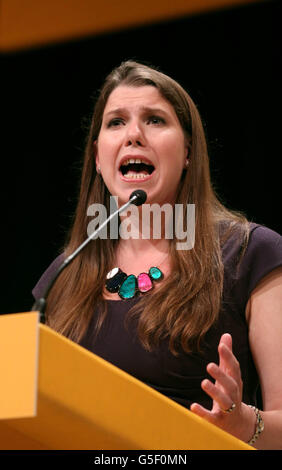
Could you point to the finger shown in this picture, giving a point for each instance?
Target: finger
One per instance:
(227, 382)
(202, 412)
(225, 341)
(228, 363)
(223, 399)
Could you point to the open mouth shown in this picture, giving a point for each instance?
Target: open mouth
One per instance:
(136, 168)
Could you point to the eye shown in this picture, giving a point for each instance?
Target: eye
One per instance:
(156, 120)
(115, 122)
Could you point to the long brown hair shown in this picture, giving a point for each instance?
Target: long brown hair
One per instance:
(187, 303)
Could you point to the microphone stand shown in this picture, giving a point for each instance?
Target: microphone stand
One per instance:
(137, 198)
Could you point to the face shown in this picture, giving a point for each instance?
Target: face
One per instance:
(141, 145)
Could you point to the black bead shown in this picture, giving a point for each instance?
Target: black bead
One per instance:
(113, 284)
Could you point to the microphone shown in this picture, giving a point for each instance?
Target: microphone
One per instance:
(140, 195)
(137, 198)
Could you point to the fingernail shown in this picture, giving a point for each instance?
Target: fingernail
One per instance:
(224, 347)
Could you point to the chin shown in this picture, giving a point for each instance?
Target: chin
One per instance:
(123, 196)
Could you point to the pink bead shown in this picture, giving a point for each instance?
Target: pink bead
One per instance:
(144, 282)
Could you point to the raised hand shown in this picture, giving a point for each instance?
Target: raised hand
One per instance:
(228, 412)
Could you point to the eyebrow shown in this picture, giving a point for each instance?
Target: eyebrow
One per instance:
(145, 109)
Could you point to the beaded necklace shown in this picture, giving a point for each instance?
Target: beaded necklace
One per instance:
(128, 286)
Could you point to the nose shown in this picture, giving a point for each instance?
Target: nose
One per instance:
(134, 135)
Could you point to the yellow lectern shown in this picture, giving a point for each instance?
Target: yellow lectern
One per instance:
(56, 395)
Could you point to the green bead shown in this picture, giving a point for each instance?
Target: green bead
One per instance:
(155, 273)
(128, 288)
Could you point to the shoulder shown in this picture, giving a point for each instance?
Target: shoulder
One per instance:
(261, 236)
(263, 254)
(247, 260)
(46, 277)
(251, 241)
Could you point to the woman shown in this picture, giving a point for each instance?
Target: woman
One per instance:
(210, 329)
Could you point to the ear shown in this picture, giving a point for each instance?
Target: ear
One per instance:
(187, 148)
(96, 155)
(187, 154)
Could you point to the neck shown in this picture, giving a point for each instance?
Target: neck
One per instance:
(139, 247)
(145, 229)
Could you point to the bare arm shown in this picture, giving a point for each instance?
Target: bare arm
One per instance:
(264, 315)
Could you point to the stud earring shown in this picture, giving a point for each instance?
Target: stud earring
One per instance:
(99, 170)
(186, 162)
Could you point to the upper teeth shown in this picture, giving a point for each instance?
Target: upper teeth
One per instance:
(134, 160)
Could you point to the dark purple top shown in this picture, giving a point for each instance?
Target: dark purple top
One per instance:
(179, 378)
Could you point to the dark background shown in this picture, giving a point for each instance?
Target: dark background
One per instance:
(229, 61)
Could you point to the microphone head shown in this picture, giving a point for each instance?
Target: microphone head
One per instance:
(140, 195)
